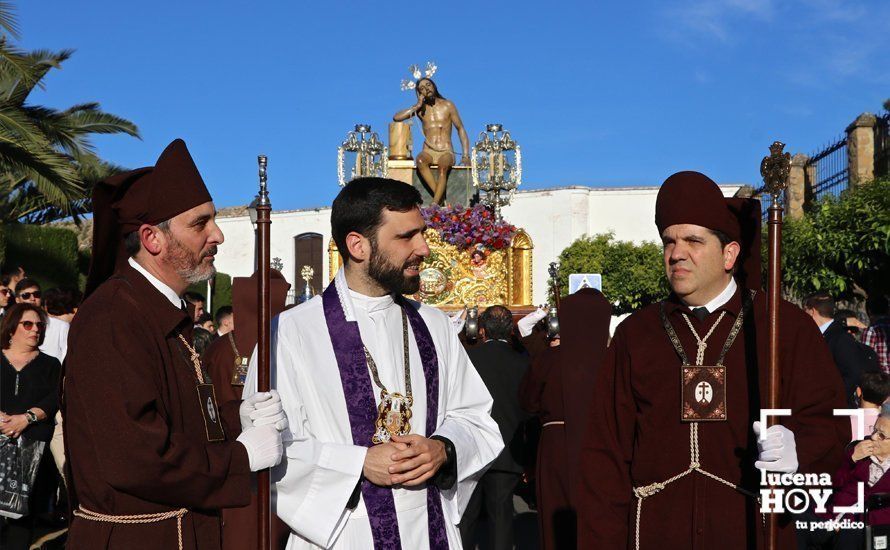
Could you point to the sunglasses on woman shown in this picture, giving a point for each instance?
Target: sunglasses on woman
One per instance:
(30, 324)
(27, 295)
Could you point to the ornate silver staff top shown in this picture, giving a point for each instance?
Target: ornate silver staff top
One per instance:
(264, 192)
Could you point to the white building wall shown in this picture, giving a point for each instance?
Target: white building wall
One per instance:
(554, 218)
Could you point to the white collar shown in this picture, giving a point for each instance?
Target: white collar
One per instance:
(371, 303)
(723, 297)
(168, 292)
(824, 326)
(351, 299)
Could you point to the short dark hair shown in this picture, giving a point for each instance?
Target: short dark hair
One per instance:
(360, 204)
(722, 237)
(204, 317)
(26, 283)
(132, 242)
(8, 271)
(194, 297)
(497, 322)
(822, 302)
(61, 301)
(876, 304)
(221, 314)
(13, 317)
(201, 338)
(875, 387)
(844, 314)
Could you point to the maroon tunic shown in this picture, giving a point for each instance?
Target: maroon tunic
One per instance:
(635, 437)
(134, 431)
(541, 393)
(558, 388)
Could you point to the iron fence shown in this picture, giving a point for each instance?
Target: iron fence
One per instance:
(827, 170)
(882, 146)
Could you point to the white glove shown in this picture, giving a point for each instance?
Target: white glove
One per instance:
(778, 452)
(262, 408)
(263, 444)
(527, 323)
(457, 320)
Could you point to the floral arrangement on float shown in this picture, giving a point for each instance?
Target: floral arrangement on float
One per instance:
(469, 227)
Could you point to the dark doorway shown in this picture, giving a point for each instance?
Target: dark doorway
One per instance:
(308, 251)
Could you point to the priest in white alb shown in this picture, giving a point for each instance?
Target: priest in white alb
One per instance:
(389, 425)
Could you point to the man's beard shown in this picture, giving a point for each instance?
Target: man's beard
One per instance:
(188, 265)
(390, 277)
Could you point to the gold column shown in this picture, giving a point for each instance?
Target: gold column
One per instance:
(519, 258)
(334, 260)
(399, 141)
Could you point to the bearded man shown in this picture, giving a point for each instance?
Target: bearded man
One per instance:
(389, 421)
(151, 458)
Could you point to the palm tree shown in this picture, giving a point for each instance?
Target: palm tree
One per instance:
(48, 164)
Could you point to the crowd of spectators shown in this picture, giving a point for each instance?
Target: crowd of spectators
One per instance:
(34, 326)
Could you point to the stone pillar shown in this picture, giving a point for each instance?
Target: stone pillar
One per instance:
(795, 193)
(861, 149)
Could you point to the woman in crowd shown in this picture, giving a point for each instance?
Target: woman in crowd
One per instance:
(867, 464)
(29, 388)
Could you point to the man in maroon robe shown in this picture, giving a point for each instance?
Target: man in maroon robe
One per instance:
(670, 457)
(151, 457)
(557, 388)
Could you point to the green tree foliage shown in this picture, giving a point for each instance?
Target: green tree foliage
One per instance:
(222, 291)
(48, 254)
(48, 164)
(841, 245)
(633, 275)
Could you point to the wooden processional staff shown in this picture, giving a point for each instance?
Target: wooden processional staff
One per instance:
(774, 169)
(264, 324)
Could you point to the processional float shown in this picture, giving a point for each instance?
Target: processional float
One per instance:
(476, 257)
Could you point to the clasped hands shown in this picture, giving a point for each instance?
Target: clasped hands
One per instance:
(12, 425)
(408, 460)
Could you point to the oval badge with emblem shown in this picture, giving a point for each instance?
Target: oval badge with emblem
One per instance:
(211, 410)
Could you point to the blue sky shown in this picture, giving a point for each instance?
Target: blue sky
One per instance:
(597, 93)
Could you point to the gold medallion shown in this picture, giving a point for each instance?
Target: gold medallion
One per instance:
(393, 417)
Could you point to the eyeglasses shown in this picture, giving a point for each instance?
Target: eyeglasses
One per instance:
(878, 435)
(27, 295)
(30, 325)
(6, 292)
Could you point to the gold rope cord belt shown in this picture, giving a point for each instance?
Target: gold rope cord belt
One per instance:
(89, 515)
(695, 459)
(694, 466)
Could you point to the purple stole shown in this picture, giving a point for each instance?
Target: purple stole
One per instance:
(359, 393)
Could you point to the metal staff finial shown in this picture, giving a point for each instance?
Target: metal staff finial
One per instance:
(775, 169)
(264, 192)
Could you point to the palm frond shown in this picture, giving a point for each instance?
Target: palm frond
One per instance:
(8, 21)
(37, 63)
